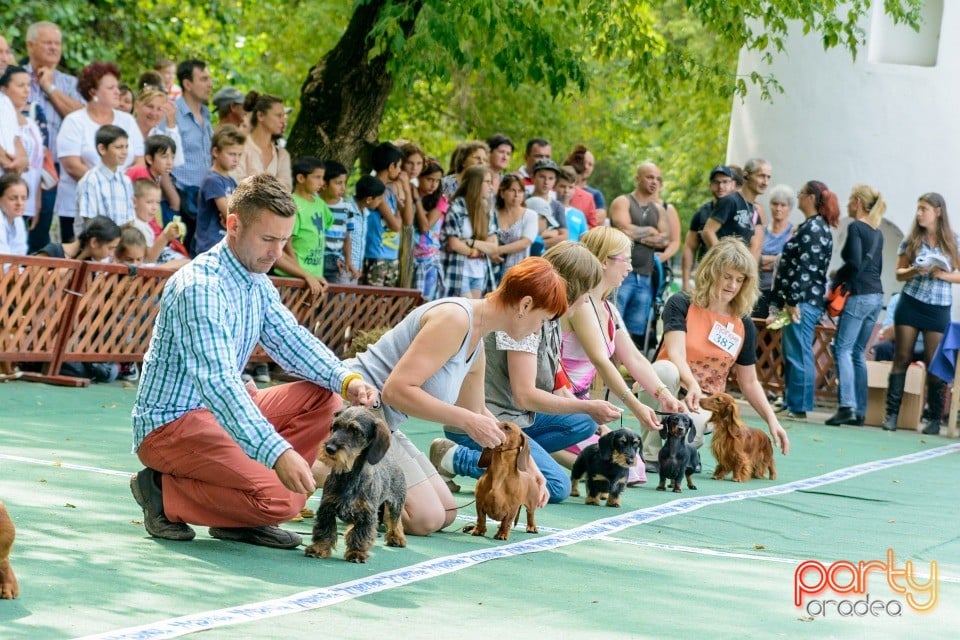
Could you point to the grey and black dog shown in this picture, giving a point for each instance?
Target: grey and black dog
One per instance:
(362, 479)
(677, 458)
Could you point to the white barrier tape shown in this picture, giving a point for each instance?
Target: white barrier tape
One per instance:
(65, 465)
(326, 596)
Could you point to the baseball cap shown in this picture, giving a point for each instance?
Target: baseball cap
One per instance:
(225, 97)
(721, 168)
(547, 164)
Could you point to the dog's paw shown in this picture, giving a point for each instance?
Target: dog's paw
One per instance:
(692, 487)
(318, 550)
(677, 490)
(532, 529)
(661, 488)
(613, 502)
(354, 555)
(501, 536)
(594, 500)
(394, 540)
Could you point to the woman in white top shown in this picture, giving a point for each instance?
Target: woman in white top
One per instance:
(15, 84)
(99, 85)
(13, 202)
(261, 153)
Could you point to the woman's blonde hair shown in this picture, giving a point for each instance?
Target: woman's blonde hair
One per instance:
(872, 201)
(605, 242)
(471, 189)
(577, 266)
(148, 93)
(728, 254)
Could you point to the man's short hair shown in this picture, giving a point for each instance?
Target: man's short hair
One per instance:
(539, 142)
(384, 155)
(370, 187)
(261, 192)
(333, 170)
(158, 144)
(108, 134)
(185, 69)
(36, 27)
(306, 165)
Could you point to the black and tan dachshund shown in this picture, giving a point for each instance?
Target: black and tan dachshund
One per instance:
(677, 458)
(606, 465)
(362, 479)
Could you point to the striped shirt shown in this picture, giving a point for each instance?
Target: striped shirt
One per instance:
(213, 312)
(63, 82)
(102, 192)
(196, 137)
(345, 216)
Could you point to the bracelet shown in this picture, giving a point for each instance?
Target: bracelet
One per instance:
(471, 242)
(346, 383)
(623, 396)
(659, 391)
(53, 88)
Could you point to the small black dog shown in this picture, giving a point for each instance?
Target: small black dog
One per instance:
(362, 478)
(606, 465)
(677, 458)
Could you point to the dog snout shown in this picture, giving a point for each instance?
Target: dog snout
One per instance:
(330, 448)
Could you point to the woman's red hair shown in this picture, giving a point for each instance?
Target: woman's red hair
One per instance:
(534, 277)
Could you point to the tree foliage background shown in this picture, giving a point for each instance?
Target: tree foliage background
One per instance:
(633, 79)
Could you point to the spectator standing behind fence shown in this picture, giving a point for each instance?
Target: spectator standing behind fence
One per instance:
(799, 287)
(431, 207)
(105, 190)
(14, 195)
(163, 243)
(737, 213)
(15, 85)
(97, 242)
(516, 226)
(369, 193)
(159, 156)
(216, 453)
(583, 161)
(196, 132)
(381, 264)
(228, 102)
(303, 255)
(722, 182)
(782, 201)
(216, 188)
(927, 263)
(469, 235)
(156, 114)
(261, 153)
(566, 186)
(77, 145)
(862, 256)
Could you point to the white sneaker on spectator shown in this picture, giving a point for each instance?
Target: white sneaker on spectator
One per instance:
(129, 371)
(261, 373)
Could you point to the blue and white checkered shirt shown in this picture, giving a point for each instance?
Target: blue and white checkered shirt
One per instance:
(213, 312)
(196, 137)
(102, 192)
(63, 82)
(928, 289)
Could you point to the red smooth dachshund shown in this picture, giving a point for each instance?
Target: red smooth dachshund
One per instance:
(505, 486)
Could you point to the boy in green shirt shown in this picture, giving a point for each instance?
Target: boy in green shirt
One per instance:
(303, 254)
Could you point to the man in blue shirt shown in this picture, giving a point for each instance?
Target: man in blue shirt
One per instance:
(217, 453)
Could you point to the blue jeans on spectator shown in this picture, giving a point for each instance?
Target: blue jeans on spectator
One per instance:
(547, 434)
(801, 374)
(633, 300)
(854, 328)
(39, 236)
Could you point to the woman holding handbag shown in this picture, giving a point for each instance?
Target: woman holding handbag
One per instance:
(862, 256)
(800, 285)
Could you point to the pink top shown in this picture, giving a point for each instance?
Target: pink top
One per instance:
(574, 360)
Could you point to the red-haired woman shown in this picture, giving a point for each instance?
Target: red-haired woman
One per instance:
(431, 367)
(99, 84)
(800, 287)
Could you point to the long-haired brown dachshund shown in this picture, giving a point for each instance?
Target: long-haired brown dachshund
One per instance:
(745, 451)
(8, 581)
(505, 486)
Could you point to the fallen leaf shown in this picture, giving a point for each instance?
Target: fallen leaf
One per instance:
(57, 463)
(891, 521)
(42, 480)
(72, 506)
(759, 546)
(896, 482)
(805, 618)
(136, 522)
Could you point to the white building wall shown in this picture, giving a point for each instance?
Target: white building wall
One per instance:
(843, 121)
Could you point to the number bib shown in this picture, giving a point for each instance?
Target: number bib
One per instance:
(725, 338)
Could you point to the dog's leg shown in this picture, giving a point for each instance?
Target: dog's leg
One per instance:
(480, 528)
(675, 484)
(593, 492)
(690, 484)
(361, 536)
(663, 483)
(772, 470)
(9, 588)
(744, 470)
(613, 499)
(720, 471)
(392, 521)
(324, 529)
(503, 532)
(575, 486)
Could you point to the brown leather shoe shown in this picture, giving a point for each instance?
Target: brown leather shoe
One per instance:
(145, 486)
(265, 536)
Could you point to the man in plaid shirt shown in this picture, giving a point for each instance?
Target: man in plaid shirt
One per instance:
(219, 454)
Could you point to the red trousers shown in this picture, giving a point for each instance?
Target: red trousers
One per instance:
(209, 480)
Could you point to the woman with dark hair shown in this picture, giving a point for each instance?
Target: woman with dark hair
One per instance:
(13, 202)
(516, 225)
(469, 236)
(15, 84)
(862, 255)
(97, 242)
(261, 153)
(800, 286)
(468, 154)
(430, 207)
(586, 198)
(99, 84)
(928, 263)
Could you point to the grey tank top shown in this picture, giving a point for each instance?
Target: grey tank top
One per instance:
(378, 361)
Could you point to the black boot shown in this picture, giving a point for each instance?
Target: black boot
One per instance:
(844, 415)
(895, 385)
(935, 389)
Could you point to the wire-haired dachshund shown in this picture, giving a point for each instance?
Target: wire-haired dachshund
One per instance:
(606, 465)
(677, 458)
(745, 451)
(8, 581)
(505, 486)
(363, 477)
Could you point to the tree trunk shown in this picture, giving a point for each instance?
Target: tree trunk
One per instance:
(344, 96)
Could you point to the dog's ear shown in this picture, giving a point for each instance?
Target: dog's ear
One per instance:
(664, 432)
(605, 446)
(381, 442)
(523, 457)
(486, 459)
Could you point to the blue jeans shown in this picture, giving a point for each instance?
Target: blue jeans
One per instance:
(801, 370)
(547, 434)
(849, 348)
(633, 300)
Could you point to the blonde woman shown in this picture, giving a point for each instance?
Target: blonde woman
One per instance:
(595, 339)
(708, 333)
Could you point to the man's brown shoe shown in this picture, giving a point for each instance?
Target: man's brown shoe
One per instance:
(145, 487)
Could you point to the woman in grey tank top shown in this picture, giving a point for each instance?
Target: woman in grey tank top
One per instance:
(431, 367)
